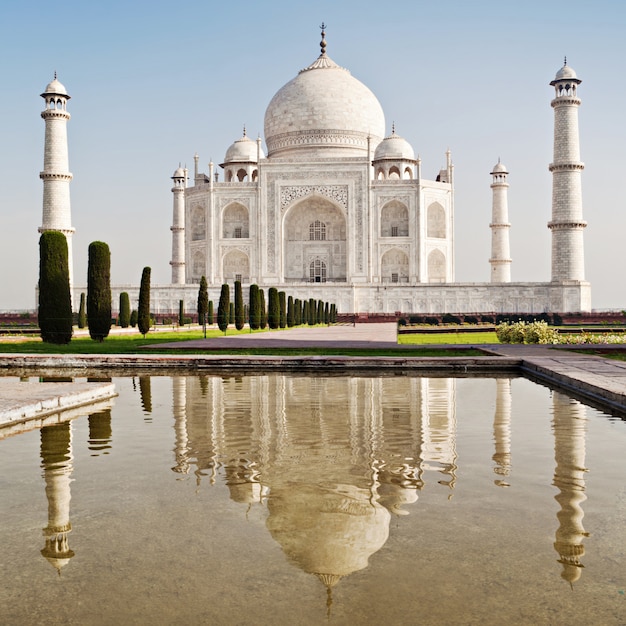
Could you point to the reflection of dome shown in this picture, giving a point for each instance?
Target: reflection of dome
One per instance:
(243, 150)
(325, 111)
(394, 147)
(328, 531)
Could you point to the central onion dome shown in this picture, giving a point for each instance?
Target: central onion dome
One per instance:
(323, 112)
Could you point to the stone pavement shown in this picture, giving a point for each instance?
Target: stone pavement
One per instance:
(27, 404)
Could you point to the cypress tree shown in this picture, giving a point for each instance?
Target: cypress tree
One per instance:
(297, 312)
(143, 312)
(181, 312)
(203, 304)
(55, 302)
(99, 290)
(290, 312)
(273, 309)
(223, 308)
(305, 312)
(263, 310)
(326, 313)
(255, 307)
(319, 318)
(211, 314)
(82, 313)
(124, 310)
(133, 318)
(231, 313)
(282, 309)
(239, 312)
(312, 312)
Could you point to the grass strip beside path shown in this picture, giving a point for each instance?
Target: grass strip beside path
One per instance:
(133, 344)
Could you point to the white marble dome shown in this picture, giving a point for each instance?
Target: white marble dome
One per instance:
(56, 87)
(394, 148)
(499, 168)
(325, 112)
(179, 173)
(243, 150)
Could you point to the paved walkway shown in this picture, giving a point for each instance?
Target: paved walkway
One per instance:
(25, 405)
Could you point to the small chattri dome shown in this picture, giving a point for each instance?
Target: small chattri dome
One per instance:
(179, 173)
(394, 148)
(499, 168)
(243, 150)
(56, 87)
(565, 72)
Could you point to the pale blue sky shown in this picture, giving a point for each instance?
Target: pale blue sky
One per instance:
(154, 82)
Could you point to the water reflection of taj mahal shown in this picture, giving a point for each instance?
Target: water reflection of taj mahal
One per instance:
(332, 459)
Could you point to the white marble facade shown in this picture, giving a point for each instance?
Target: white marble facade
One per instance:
(337, 210)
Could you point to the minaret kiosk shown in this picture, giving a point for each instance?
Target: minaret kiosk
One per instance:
(567, 224)
(56, 177)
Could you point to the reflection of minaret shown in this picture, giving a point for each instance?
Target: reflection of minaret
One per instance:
(502, 431)
(439, 428)
(179, 406)
(100, 432)
(56, 461)
(569, 426)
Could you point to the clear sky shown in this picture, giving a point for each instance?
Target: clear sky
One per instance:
(154, 82)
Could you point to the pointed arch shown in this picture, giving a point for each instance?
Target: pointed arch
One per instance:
(394, 219)
(236, 266)
(394, 266)
(436, 221)
(436, 267)
(314, 228)
(235, 221)
(198, 224)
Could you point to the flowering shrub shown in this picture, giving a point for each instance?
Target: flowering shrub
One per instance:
(592, 338)
(526, 332)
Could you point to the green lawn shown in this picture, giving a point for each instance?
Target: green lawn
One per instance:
(451, 338)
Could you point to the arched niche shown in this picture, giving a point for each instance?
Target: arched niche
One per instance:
(394, 219)
(235, 222)
(198, 224)
(436, 267)
(394, 266)
(236, 266)
(320, 217)
(198, 266)
(436, 221)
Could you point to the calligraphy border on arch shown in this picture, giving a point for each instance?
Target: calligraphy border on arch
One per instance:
(290, 193)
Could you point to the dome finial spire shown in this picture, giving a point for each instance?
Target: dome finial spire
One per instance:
(564, 61)
(244, 130)
(323, 42)
(393, 128)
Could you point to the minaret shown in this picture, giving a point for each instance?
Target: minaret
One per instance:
(178, 227)
(57, 214)
(502, 432)
(500, 249)
(568, 259)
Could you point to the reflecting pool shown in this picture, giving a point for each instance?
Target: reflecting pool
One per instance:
(282, 499)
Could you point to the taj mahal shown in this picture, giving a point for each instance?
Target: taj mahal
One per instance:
(333, 205)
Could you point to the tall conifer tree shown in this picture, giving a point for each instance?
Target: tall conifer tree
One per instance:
(223, 309)
(239, 312)
(55, 303)
(143, 311)
(124, 310)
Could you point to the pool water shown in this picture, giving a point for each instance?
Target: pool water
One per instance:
(286, 499)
